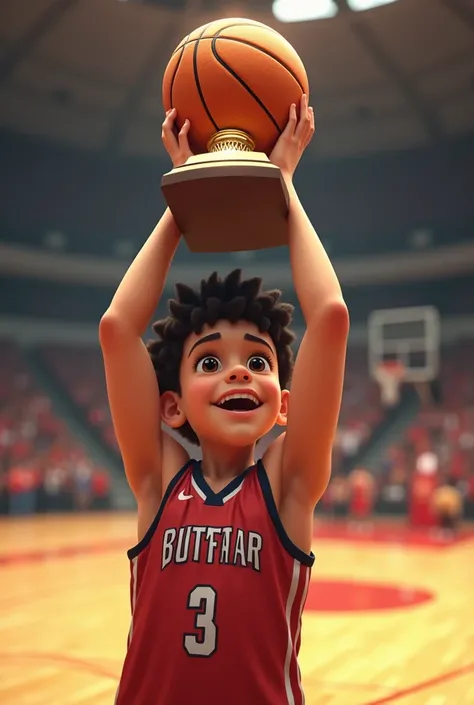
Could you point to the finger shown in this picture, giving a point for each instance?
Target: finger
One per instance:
(185, 128)
(309, 132)
(304, 102)
(169, 119)
(183, 135)
(304, 110)
(304, 120)
(289, 130)
(308, 139)
(169, 135)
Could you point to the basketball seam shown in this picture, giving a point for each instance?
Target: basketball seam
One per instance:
(174, 74)
(242, 83)
(185, 42)
(229, 26)
(198, 84)
(259, 48)
(268, 53)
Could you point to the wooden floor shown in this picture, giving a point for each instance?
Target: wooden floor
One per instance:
(64, 617)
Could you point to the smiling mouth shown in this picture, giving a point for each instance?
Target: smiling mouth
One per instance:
(239, 403)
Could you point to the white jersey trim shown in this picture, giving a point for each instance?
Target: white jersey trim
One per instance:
(234, 492)
(197, 488)
(134, 562)
(298, 630)
(134, 577)
(289, 651)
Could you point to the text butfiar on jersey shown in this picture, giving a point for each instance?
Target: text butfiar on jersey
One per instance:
(225, 545)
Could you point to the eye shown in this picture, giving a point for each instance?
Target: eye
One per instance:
(259, 363)
(208, 364)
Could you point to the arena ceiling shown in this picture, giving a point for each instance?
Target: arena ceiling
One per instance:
(88, 72)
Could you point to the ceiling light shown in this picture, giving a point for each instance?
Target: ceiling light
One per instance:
(360, 5)
(303, 10)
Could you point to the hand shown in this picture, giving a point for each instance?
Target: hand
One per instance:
(176, 143)
(294, 139)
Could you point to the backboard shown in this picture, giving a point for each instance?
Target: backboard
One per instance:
(411, 335)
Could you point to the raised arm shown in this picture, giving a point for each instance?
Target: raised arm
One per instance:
(319, 369)
(132, 387)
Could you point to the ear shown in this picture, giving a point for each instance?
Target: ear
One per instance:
(282, 419)
(171, 413)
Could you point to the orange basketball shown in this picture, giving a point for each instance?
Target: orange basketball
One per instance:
(234, 73)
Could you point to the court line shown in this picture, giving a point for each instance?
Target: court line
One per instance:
(98, 670)
(7, 559)
(387, 533)
(103, 547)
(48, 554)
(424, 685)
(345, 685)
(83, 664)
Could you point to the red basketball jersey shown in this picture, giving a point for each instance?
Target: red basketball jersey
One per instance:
(217, 594)
(361, 500)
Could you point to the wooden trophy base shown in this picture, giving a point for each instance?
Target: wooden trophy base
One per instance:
(228, 201)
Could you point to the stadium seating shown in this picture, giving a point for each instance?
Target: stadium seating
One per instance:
(42, 467)
(445, 429)
(361, 410)
(443, 432)
(81, 371)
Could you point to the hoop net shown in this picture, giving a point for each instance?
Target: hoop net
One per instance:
(389, 375)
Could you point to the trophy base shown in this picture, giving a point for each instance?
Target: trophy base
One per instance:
(228, 201)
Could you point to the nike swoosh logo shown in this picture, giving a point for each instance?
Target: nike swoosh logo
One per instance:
(184, 496)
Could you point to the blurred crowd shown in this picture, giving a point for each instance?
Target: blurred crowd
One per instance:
(81, 372)
(439, 443)
(42, 467)
(361, 412)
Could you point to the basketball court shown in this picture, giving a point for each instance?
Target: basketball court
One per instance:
(389, 615)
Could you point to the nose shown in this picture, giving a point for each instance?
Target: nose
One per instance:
(239, 373)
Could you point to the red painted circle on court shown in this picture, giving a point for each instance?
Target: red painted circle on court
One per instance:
(355, 596)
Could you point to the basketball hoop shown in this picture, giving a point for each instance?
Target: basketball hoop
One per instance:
(389, 375)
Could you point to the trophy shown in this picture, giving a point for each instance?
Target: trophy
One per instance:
(235, 80)
(228, 200)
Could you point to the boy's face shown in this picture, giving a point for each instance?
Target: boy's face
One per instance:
(230, 391)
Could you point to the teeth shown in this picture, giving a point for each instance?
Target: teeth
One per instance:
(239, 396)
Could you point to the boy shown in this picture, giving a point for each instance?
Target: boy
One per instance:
(221, 569)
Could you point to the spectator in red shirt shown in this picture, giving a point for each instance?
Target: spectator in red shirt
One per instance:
(101, 489)
(23, 482)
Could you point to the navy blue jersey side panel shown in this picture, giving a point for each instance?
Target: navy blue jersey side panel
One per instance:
(133, 552)
(287, 543)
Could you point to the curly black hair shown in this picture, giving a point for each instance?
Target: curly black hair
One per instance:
(231, 299)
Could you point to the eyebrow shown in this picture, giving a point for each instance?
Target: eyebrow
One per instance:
(217, 336)
(256, 339)
(205, 339)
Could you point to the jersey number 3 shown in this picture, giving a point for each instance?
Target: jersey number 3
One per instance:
(202, 598)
